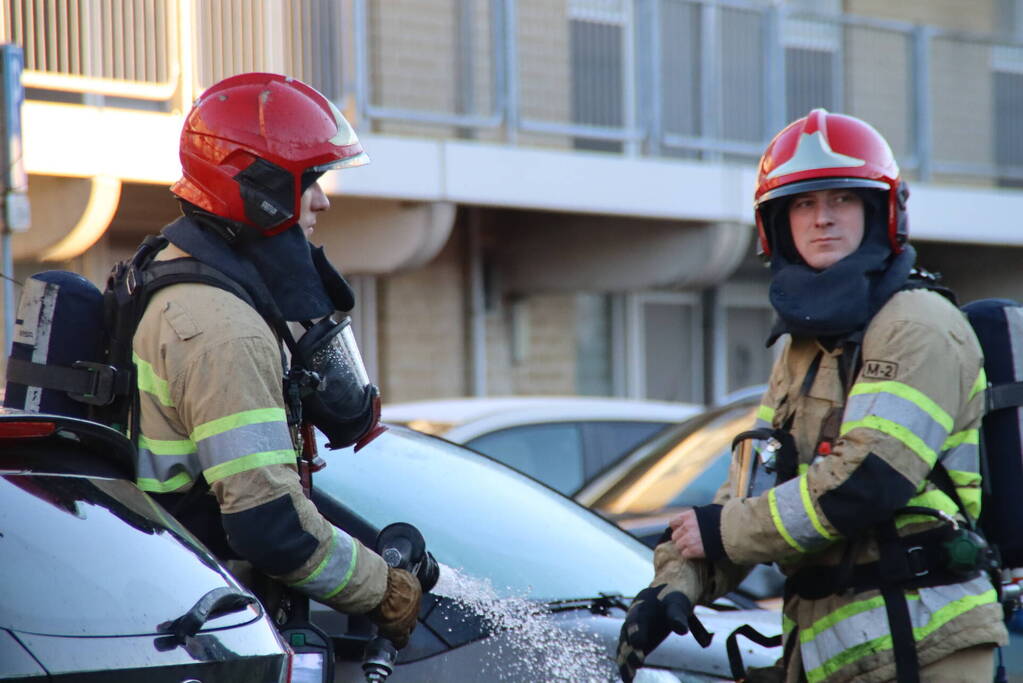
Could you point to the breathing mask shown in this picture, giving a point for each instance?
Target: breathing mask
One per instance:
(340, 401)
(761, 459)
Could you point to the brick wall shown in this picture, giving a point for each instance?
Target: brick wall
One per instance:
(421, 342)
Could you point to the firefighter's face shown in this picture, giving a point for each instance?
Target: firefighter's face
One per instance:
(313, 202)
(827, 225)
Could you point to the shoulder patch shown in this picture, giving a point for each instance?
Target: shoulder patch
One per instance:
(880, 369)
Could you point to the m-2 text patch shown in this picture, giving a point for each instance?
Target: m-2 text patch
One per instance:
(880, 369)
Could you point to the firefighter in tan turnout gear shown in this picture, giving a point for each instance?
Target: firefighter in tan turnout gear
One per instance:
(215, 414)
(880, 379)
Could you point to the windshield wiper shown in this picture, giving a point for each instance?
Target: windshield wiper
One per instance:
(217, 602)
(600, 605)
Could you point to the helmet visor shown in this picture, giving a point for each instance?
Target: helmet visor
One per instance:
(815, 184)
(360, 159)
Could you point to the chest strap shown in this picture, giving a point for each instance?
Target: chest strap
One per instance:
(914, 561)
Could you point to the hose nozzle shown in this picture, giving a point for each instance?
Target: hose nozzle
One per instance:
(378, 661)
(402, 546)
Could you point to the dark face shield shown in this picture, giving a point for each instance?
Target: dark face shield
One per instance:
(344, 405)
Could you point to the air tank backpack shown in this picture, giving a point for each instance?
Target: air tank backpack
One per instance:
(71, 354)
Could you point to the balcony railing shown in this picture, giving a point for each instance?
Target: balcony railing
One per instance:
(703, 79)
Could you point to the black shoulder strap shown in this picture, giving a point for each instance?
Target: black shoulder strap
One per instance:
(924, 279)
(1008, 395)
(130, 287)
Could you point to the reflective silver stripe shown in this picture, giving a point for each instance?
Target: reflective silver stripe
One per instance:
(334, 571)
(162, 468)
(761, 424)
(899, 410)
(965, 458)
(823, 644)
(154, 469)
(259, 437)
(794, 516)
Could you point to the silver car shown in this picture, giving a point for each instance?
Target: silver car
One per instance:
(533, 586)
(561, 440)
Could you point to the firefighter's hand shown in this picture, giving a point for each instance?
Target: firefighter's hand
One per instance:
(656, 612)
(396, 614)
(685, 534)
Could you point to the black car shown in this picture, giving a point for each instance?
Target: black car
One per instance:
(533, 586)
(102, 584)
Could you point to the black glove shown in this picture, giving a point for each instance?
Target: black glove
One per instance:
(656, 612)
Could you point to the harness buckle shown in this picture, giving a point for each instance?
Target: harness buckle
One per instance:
(131, 281)
(917, 561)
(102, 388)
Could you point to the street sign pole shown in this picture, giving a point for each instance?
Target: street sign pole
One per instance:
(15, 215)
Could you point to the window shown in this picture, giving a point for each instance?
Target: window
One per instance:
(1008, 138)
(813, 63)
(593, 371)
(1007, 86)
(748, 361)
(597, 44)
(606, 442)
(552, 453)
(665, 347)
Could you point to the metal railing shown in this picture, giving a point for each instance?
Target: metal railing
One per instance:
(126, 48)
(705, 79)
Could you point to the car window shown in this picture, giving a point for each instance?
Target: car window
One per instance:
(607, 442)
(95, 556)
(486, 519)
(551, 452)
(701, 490)
(678, 459)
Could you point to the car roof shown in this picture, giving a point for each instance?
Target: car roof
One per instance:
(66, 441)
(459, 419)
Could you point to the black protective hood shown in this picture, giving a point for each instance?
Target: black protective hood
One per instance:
(286, 277)
(842, 299)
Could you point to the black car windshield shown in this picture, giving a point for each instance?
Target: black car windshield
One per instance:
(486, 519)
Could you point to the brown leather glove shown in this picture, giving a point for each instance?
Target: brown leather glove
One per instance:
(396, 614)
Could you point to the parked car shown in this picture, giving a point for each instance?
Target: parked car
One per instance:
(681, 467)
(533, 586)
(678, 468)
(100, 583)
(562, 441)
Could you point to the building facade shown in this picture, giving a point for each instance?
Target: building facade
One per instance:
(559, 200)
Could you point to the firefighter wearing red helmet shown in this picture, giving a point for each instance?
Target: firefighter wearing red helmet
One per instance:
(218, 407)
(838, 482)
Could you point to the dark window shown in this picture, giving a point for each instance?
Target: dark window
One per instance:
(597, 80)
(606, 442)
(742, 91)
(593, 371)
(680, 66)
(552, 453)
(670, 352)
(1008, 95)
(748, 361)
(809, 80)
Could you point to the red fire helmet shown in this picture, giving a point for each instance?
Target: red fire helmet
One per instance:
(823, 151)
(249, 140)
